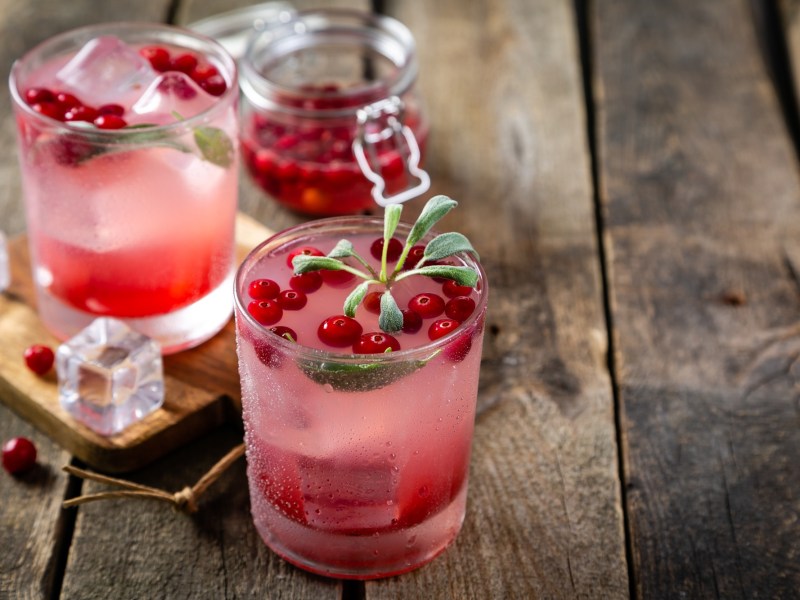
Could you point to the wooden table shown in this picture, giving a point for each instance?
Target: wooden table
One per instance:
(628, 170)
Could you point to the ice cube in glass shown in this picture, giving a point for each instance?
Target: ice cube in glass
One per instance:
(172, 95)
(5, 271)
(110, 376)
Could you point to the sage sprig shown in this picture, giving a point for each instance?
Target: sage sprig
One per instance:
(440, 247)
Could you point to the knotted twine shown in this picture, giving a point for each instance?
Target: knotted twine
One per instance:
(185, 500)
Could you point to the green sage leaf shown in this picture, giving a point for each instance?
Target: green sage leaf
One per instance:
(391, 217)
(304, 264)
(360, 377)
(354, 299)
(343, 249)
(461, 275)
(436, 208)
(447, 244)
(215, 146)
(391, 319)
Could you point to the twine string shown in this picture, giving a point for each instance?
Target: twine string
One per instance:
(185, 500)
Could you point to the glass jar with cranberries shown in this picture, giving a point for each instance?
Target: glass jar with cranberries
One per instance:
(332, 122)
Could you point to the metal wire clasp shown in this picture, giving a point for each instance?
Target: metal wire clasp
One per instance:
(364, 143)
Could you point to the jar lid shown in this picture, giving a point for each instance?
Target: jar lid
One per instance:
(234, 28)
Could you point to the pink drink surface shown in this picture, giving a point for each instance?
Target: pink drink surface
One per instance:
(365, 482)
(127, 232)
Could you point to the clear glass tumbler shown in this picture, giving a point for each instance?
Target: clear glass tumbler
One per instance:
(357, 463)
(127, 137)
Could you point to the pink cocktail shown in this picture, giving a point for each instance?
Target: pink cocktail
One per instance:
(127, 144)
(358, 441)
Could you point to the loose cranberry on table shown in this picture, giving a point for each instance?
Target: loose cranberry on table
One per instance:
(19, 455)
(39, 358)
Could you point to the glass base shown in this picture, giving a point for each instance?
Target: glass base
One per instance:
(180, 330)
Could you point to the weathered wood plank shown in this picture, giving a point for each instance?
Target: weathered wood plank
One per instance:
(503, 84)
(702, 208)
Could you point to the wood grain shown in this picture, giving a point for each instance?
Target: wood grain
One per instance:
(701, 206)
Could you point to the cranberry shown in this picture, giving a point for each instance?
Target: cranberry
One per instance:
(339, 331)
(441, 328)
(337, 278)
(413, 257)
(203, 72)
(372, 302)
(214, 85)
(112, 109)
(305, 251)
(451, 289)
(392, 254)
(263, 289)
(19, 455)
(49, 109)
(427, 306)
(157, 56)
(266, 312)
(412, 322)
(376, 343)
(109, 122)
(285, 332)
(457, 350)
(307, 282)
(39, 358)
(291, 300)
(81, 113)
(459, 308)
(67, 100)
(185, 63)
(37, 95)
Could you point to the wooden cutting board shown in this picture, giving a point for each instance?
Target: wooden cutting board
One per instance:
(202, 384)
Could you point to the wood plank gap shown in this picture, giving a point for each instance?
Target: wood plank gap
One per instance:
(65, 528)
(582, 9)
(353, 590)
(171, 17)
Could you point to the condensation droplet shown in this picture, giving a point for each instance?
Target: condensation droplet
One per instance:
(412, 540)
(328, 388)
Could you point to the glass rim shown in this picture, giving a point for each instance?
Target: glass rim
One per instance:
(261, 91)
(426, 351)
(110, 135)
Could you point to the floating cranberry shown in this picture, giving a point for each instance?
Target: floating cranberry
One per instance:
(451, 289)
(375, 343)
(39, 358)
(414, 256)
(291, 300)
(339, 331)
(372, 302)
(112, 109)
(81, 113)
(157, 56)
(307, 282)
(19, 455)
(284, 332)
(185, 63)
(441, 328)
(266, 312)
(412, 322)
(49, 109)
(426, 305)
(304, 251)
(459, 308)
(337, 278)
(203, 72)
(457, 350)
(67, 100)
(109, 122)
(37, 95)
(263, 289)
(392, 254)
(214, 85)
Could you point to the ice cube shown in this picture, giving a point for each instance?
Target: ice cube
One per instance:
(171, 95)
(109, 376)
(106, 70)
(5, 272)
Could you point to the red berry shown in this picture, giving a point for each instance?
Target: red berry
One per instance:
(81, 113)
(39, 358)
(214, 85)
(305, 251)
(266, 312)
(441, 328)
(459, 308)
(109, 122)
(392, 254)
(159, 57)
(112, 109)
(36, 95)
(458, 349)
(185, 63)
(263, 289)
(49, 109)
(339, 331)
(67, 100)
(203, 72)
(372, 302)
(414, 256)
(375, 343)
(307, 282)
(285, 332)
(451, 289)
(291, 300)
(427, 306)
(19, 455)
(412, 322)
(337, 278)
